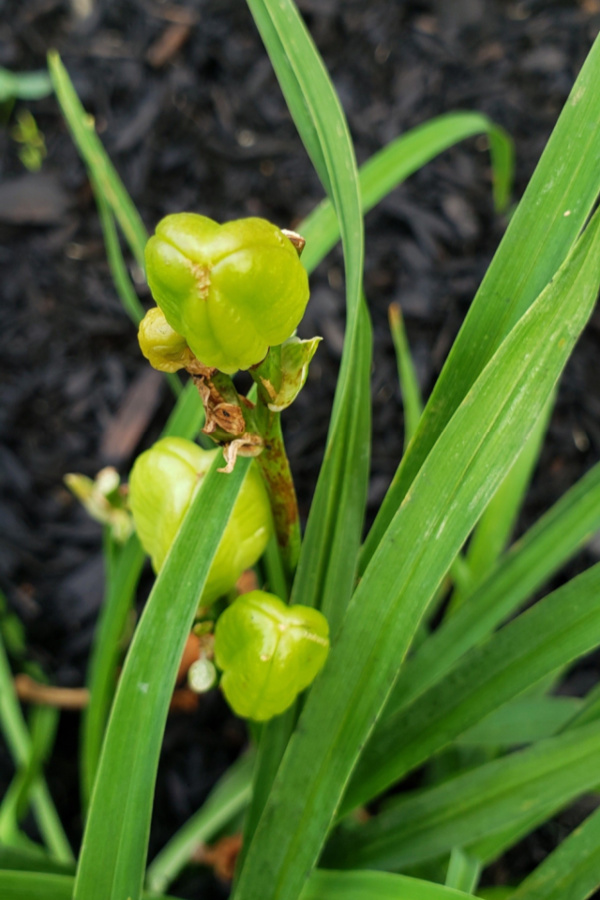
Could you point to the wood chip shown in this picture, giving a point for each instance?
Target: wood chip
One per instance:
(167, 45)
(135, 414)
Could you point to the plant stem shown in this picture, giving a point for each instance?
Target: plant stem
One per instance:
(276, 470)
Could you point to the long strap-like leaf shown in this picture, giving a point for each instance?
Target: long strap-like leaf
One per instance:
(325, 576)
(555, 206)
(472, 805)
(553, 633)
(113, 854)
(460, 475)
(572, 871)
(327, 885)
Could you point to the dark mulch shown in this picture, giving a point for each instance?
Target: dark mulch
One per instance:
(186, 103)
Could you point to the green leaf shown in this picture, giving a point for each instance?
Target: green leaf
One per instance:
(18, 740)
(496, 525)
(96, 159)
(399, 159)
(522, 721)
(589, 711)
(464, 871)
(535, 557)
(322, 125)
(324, 576)
(554, 632)
(102, 671)
(33, 858)
(118, 269)
(411, 392)
(35, 886)
(230, 796)
(23, 85)
(495, 893)
(185, 421)
(326, 885)
(479, 803)
(554, 209)
(43, 722)
(453, 487)
(112, 198)
(571, 872)
(119, 814)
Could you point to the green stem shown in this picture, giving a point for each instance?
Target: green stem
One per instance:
(276, 471)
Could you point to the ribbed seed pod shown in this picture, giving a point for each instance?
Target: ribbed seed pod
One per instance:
(268, 652)
(230, 290)
(162, 484)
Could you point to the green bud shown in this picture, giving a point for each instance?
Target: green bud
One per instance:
(231, 290)
(164, 349)
(162, 484)
(268, 653)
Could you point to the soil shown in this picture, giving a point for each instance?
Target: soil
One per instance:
(186, 103)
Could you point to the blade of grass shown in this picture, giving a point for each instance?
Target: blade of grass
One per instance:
(557, 630)
(572, 871)
(459, 477)
(555, 207)
(479, 803)
(327, 885)
(402, 157)
(230, 797)
(18, 741)
(90, 147)
(121, 806)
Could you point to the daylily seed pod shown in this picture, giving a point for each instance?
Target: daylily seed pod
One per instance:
(162, 484)
(231, 290)
(268, 653)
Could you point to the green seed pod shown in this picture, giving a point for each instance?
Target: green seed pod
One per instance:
(164, 349)
(268, 652)
(162, 484)
(231, 290)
